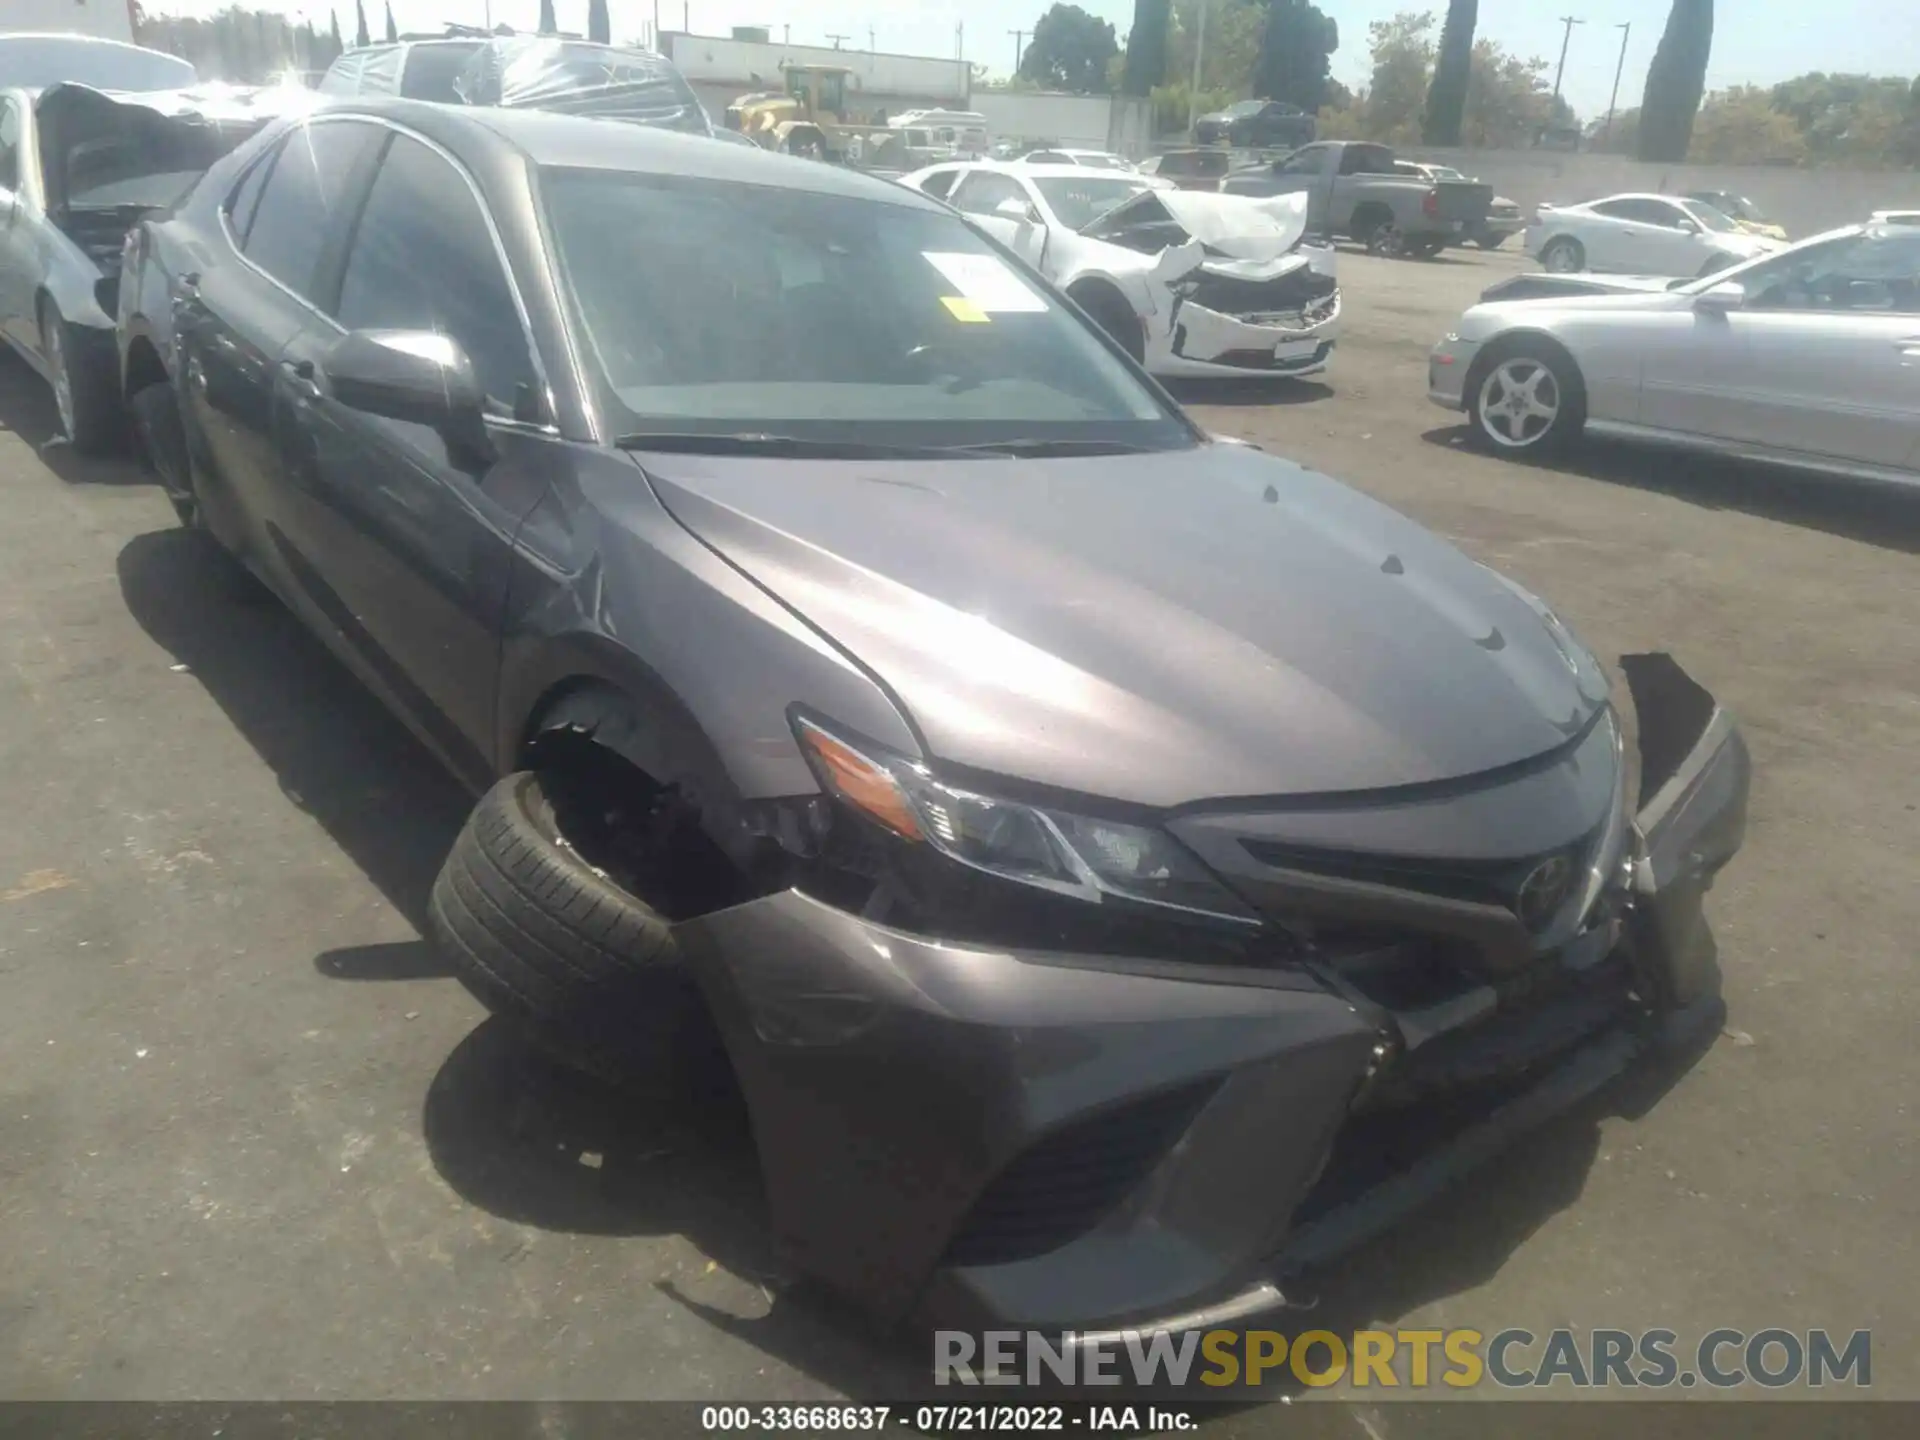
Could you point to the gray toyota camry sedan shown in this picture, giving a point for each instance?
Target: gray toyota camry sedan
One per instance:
(1118, 868)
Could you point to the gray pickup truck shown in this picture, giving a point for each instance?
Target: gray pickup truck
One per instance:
(1353, 190)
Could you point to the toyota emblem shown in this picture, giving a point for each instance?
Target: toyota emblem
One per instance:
(1543, 891)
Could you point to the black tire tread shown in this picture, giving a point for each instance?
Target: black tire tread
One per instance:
(539, 935)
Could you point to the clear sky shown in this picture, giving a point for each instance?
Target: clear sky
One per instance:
(1755, 41)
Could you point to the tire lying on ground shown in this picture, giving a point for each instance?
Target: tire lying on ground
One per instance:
(544, 938)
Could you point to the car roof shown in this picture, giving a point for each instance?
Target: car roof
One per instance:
(555, 141)
(1638, 195)
(1041, 172)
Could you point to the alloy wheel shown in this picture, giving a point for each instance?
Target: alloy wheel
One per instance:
(1560, 259)
(56, 351)
(1519, 402)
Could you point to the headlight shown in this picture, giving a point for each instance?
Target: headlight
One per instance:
(1080, 856)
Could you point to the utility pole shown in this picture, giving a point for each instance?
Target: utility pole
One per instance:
(1193, 93)
(869, 39)
(1569, 21)
(1626, 29)
(836, 39)
(1018, 37)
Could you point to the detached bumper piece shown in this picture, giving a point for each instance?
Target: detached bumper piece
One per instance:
(974, 1137)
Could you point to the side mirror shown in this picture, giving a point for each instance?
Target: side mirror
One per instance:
(1689, 227)
(419, 376)
(1012, 209)
(1719, 299)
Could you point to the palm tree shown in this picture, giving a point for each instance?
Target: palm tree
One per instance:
(1447, 94)
(1675, 82)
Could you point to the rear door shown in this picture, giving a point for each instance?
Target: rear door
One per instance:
(235, 316)
(401, 547)
(1615, 237)
(983, 192)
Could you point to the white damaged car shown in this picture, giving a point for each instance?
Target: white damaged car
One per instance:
(1191, 283)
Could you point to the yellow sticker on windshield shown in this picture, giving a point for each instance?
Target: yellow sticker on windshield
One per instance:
(964, 310)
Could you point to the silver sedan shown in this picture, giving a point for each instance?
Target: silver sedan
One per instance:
(1809, 357)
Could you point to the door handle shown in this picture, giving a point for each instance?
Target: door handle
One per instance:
(299, 375)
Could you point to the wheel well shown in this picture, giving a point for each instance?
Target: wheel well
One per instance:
(1562, 239)
(144, 366)
(1368, 216)
(1094, 293)
(648, 832)
(1535, 341)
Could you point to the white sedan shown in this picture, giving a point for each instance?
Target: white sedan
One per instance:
(1810, 357)
(1190, 283)
(1641, 235)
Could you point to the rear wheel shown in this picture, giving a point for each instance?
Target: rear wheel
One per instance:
(89, 419)
(1528, 400)
(156, 418)
(1563, 256)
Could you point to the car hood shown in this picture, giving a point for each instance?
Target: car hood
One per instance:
(1161, 628)
(181, 132)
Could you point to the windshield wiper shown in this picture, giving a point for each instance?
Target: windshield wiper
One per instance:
(1035, 447)
(797, 447)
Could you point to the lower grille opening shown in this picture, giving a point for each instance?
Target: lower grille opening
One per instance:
(1067, 1182)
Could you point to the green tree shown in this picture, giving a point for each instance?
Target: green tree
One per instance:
(1509, 101)
(548, 24)
(599, 26)
(1851, 119)
(360, 35)
(1402, 53)
(1675, 82)
(1740, 126)
(393, 32)
(1235, 31)
(1147, 47)
(1452, 71)
(333, 34)
(1295, 53)
(1069, 51)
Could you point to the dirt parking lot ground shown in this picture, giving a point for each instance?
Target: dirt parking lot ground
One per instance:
(253, 1143)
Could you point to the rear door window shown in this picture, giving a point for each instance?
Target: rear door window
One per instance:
(303, 200)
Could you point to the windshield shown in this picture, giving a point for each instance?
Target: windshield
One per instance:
(38, 62)
(1079, 200)
(432, 70)
(1708, 216)
(1095, 161)
(716, 307)
(1444, 172)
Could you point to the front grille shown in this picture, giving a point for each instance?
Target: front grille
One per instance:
(1229, 295)
(1480, 882)
(1064, 1184)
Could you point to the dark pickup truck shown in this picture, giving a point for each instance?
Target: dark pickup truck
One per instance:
(1353, 190)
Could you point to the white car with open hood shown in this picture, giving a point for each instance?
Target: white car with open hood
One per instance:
(1191, 283)
(1641, 235)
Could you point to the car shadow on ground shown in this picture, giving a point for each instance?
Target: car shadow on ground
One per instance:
(1875, 513)
(520, 1137)
(27, 409)
(336, 752)
(1264, 390)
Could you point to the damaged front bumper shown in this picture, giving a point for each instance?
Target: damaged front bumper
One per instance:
(1226, 319)
(977, 1137)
